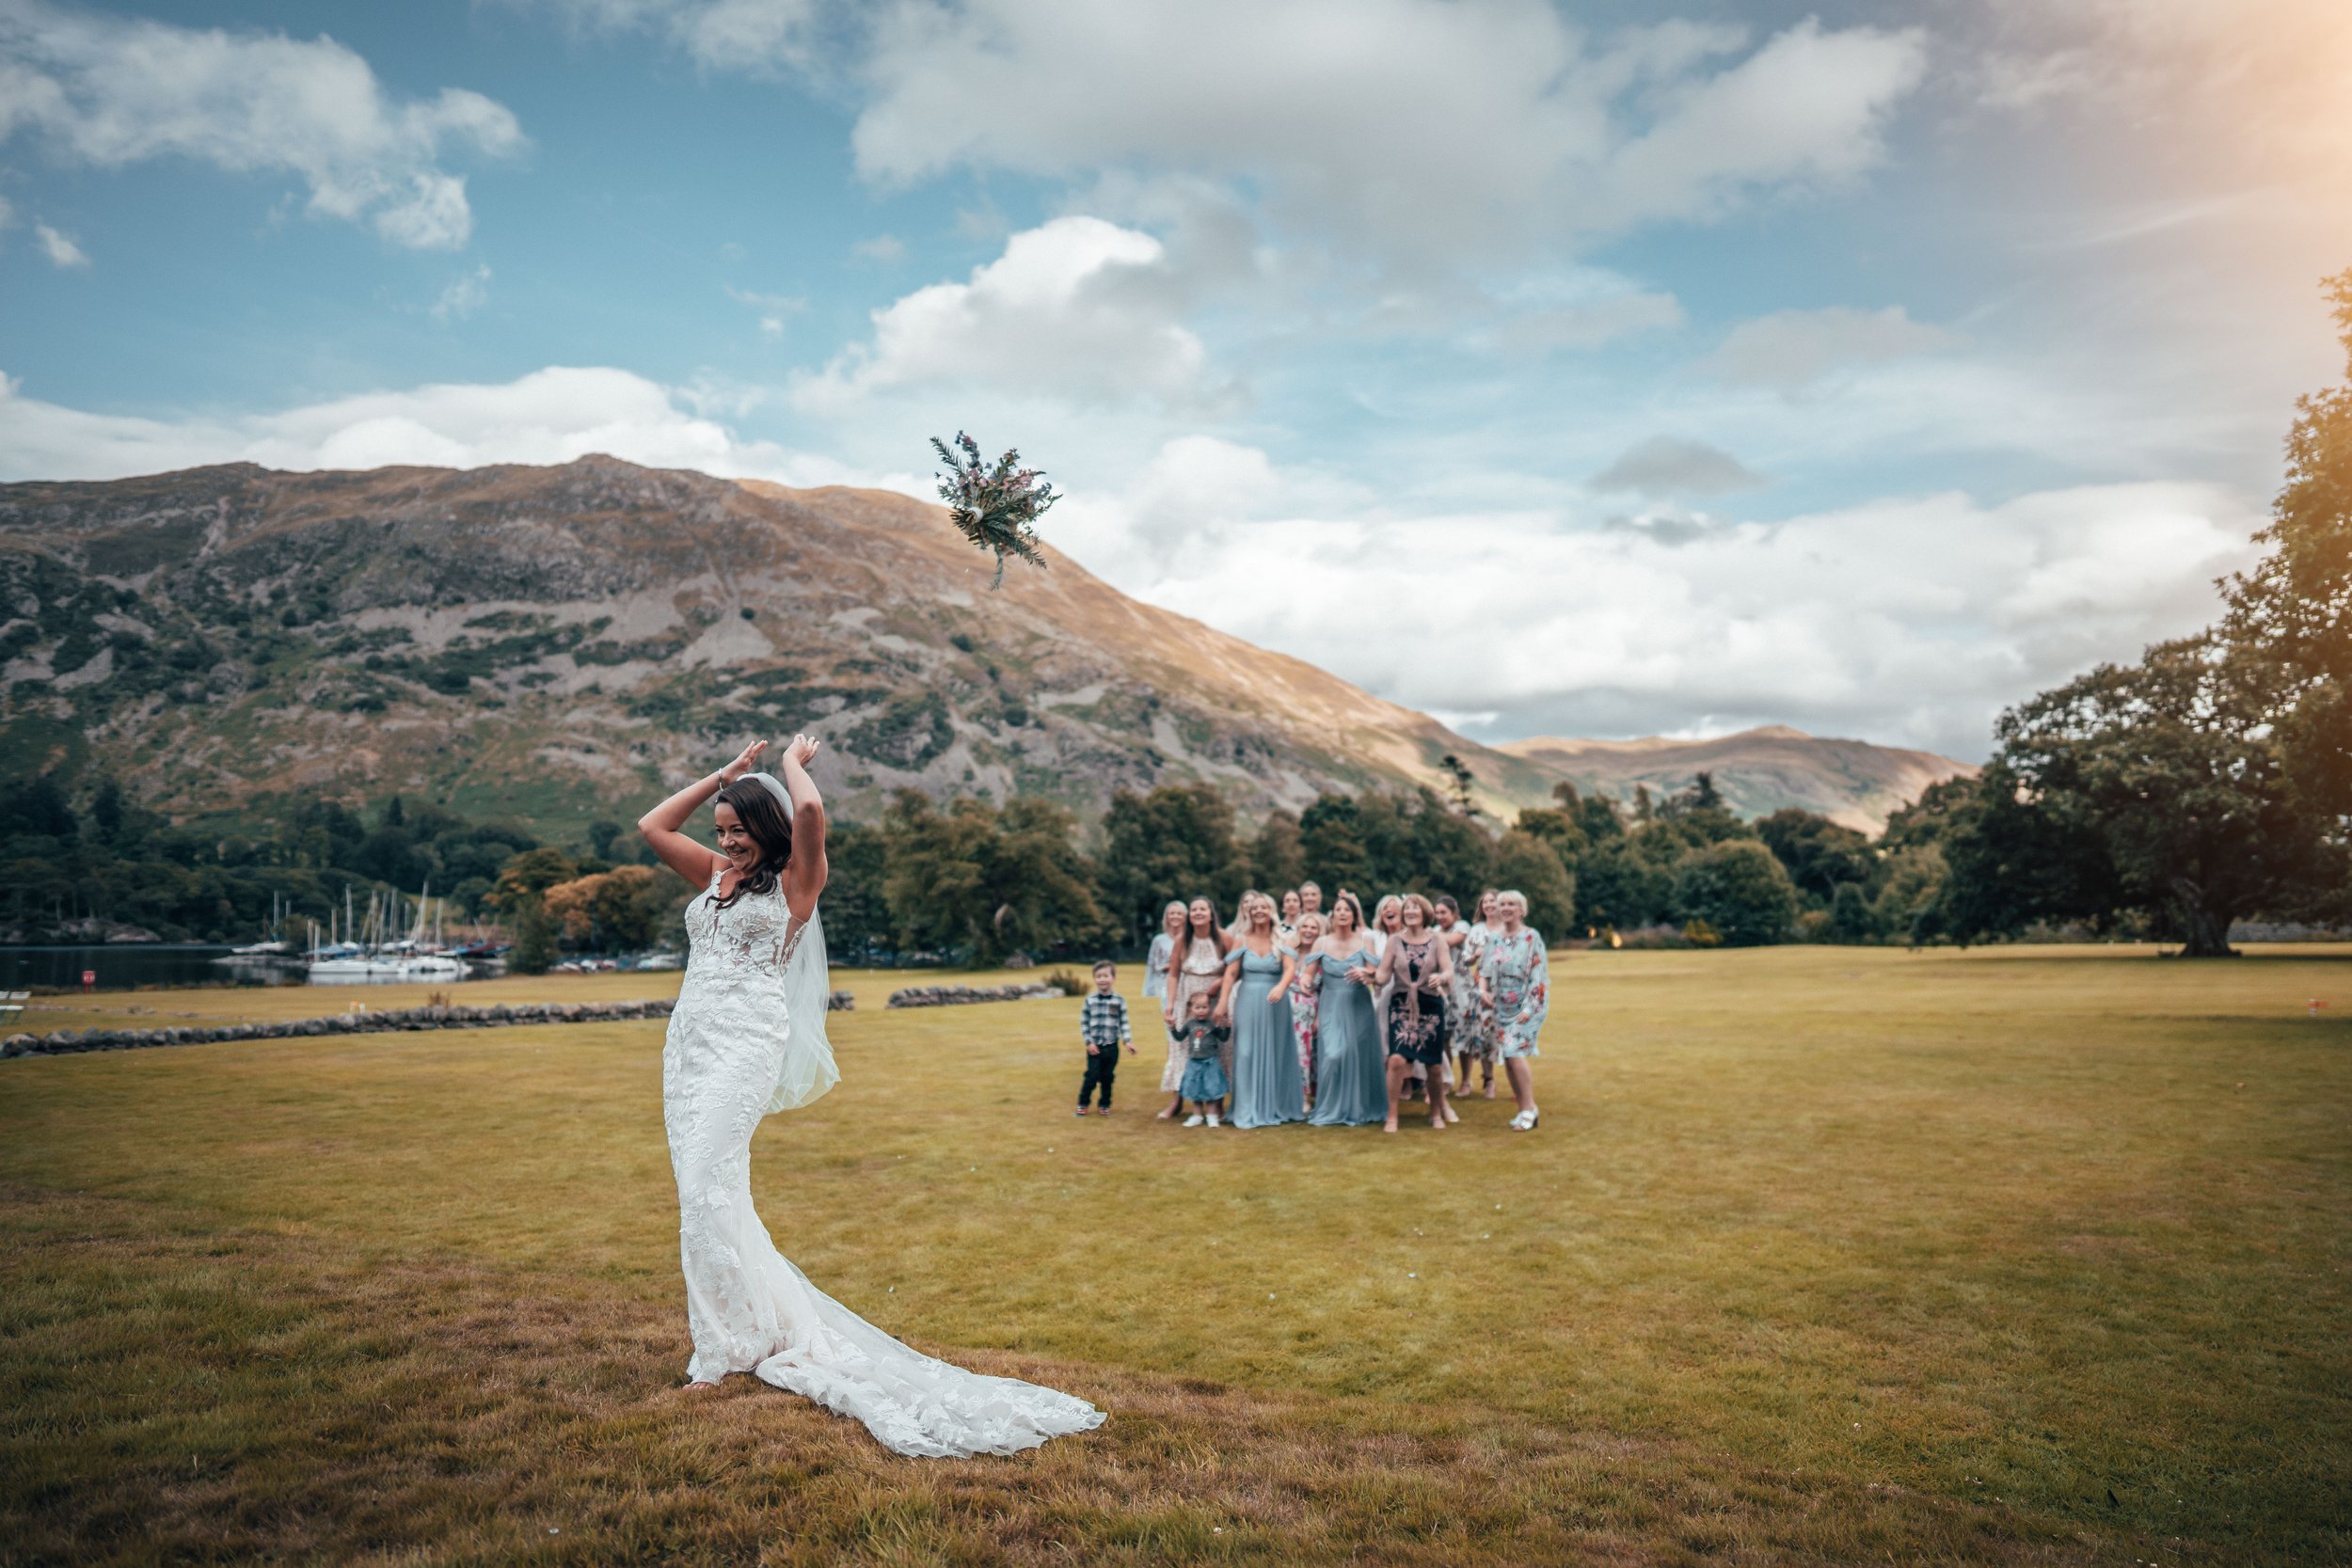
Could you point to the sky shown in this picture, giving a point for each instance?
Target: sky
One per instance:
(1558, 369)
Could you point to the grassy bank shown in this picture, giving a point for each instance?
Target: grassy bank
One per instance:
(1820, 1254)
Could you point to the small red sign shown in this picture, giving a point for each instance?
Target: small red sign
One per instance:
(90, 979)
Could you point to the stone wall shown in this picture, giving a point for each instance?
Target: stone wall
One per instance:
(385, 1020)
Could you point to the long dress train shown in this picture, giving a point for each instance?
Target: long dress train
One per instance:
(748, 1038)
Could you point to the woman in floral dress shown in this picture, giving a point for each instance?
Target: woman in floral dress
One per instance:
(1195, 963)
(1514, 979)
(1303, 998)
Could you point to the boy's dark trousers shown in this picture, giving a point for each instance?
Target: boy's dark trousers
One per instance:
(1100, 1069)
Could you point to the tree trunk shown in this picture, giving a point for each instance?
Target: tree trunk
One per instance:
(2207, 928)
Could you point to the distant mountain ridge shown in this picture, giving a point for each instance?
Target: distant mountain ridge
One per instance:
(556, 642)
(1759, 771)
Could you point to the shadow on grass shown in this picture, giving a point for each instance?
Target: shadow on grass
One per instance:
(201, 1396)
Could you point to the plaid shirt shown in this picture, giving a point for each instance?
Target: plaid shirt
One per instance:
(1104, 1021)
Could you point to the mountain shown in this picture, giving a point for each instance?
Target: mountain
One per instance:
(555, 642)
(1757, 770)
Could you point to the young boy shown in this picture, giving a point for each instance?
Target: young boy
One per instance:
(1102, 1025)
(1203, 1040)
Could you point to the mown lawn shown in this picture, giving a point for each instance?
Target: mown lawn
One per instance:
(2031, 1255)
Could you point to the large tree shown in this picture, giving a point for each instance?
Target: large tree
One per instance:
(988, 880)
(1739, 889)
(2292, 613)
(1177, 842)
(2176, 765)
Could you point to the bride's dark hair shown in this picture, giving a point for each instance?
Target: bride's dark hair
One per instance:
(763, 816)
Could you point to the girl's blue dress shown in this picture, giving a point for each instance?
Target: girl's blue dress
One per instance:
(1351, 1069)
(1204, 1081)
(1268, 1085)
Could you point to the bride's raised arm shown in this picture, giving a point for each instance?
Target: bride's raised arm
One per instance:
(660, 826)
(804, 878)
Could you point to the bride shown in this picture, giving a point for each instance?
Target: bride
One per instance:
(748, 1038)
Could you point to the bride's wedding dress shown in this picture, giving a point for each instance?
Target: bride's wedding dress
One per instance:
(748, 1038)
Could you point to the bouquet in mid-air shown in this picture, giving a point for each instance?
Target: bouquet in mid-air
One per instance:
(994, 508)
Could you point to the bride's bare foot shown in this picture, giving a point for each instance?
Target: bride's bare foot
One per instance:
(711, 1387)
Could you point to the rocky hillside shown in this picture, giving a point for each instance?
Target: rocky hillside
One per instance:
(555, 642)
(1758, 771)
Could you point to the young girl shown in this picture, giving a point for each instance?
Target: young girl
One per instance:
(1203, 1040)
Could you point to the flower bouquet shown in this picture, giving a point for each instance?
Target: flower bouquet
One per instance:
(994, 508)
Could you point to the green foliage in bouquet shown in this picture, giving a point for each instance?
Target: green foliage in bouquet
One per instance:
(994, 508)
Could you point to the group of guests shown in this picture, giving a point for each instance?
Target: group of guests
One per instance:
(1297, 1013)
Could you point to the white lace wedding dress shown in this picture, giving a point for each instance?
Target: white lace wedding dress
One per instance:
(748, 1038)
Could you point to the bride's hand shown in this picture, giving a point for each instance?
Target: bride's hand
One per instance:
(801, 751)
(743, 764)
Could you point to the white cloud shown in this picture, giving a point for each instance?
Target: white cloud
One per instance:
(549, 415)
(61, 251)
(1427, 130)
(107, 91)
(2260, 81)
(1076, 307)
(1909, 619)
(467, 292)
(1422, 130)
(1797, 348)
(882, 250)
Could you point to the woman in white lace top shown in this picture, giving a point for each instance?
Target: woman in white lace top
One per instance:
(748, 1038)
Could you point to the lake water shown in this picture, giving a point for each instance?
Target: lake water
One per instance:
(125, 966)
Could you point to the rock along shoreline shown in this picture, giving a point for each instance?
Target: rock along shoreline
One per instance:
(387, 1021)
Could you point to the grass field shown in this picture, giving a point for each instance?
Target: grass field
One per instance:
(1821, 1255)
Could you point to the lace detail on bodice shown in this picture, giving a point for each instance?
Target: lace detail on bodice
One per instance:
(754, 935)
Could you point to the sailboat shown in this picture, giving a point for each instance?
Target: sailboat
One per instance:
(272, 949)
(350, 962)
(376, 959)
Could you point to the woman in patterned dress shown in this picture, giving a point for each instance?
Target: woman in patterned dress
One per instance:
(1417, 972)
(1303, 998)
(1195, 963)
(1515, 977)
(1474, 1040)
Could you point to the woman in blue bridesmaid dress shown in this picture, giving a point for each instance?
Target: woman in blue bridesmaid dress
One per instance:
(1351, 1068)
(1259, 973)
